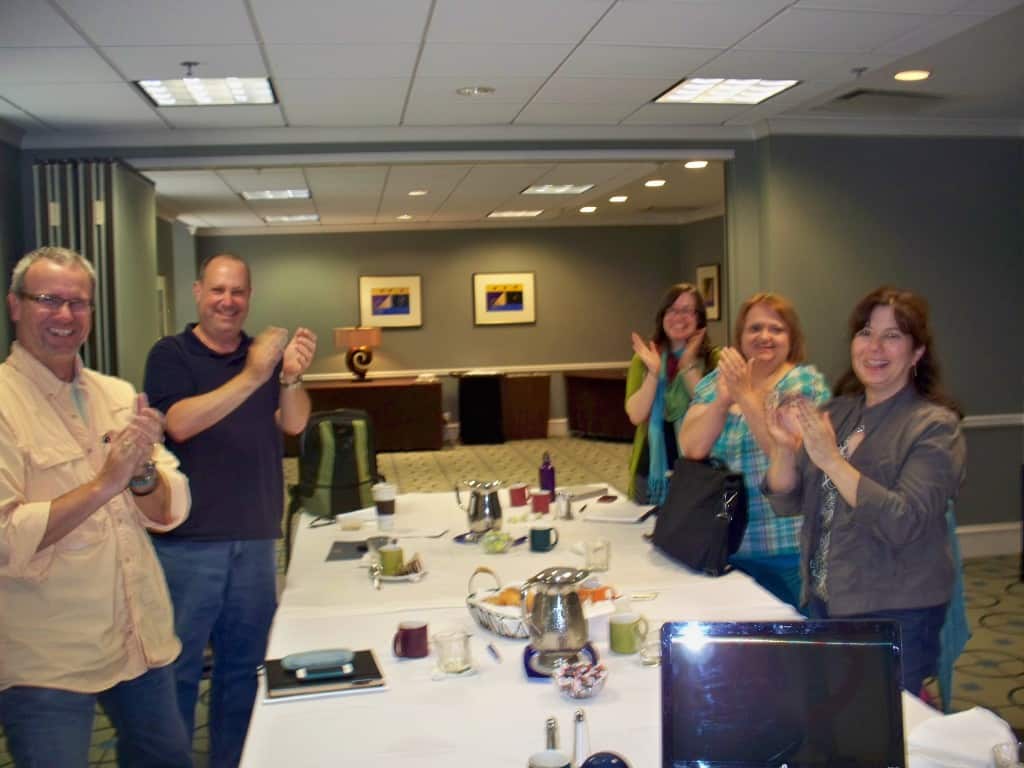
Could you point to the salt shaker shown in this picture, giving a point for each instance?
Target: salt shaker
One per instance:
(581, 741)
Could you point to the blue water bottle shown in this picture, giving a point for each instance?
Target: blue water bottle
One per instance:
(547, 474)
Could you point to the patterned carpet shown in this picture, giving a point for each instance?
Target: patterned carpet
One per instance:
(990, 672)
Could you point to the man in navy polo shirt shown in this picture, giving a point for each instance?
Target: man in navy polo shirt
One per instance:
(227, 398)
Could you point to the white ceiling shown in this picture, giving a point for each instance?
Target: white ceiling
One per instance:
(583, 72)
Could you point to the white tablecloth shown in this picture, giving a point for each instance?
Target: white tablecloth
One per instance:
(495, 716)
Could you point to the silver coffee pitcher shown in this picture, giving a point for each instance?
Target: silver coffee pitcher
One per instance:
(483, 508)
(555, 620)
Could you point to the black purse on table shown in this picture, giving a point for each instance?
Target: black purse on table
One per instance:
(704, 516)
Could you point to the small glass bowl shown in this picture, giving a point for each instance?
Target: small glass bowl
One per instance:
(580, 680)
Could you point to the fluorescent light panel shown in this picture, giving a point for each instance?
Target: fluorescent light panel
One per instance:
(294, 219)
(513, 214)
(276, 194)
(717, 90)
(557, 189)
(208, 91)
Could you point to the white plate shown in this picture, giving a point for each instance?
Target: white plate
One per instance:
(407, 577)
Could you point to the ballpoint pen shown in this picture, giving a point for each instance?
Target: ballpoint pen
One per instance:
(494, 652)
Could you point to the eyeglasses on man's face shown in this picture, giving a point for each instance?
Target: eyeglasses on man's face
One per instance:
(53, 303)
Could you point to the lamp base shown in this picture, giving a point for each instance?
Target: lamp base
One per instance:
(358, 360)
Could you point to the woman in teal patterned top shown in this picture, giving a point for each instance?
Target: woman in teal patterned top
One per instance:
(727, 420)
(661, 378)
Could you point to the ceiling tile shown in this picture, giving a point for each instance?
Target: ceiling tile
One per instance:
(343, 61)
(889, 6)
(479, 112)
(835, 31)
(593, 113)
(804, 95)
(163, 62)
(33, 23)
(935, 31)
(349, 194)
(180, 185)
(790, 65)
(251, 179)
(330, 103)
(235, 219)
(621, 91)
(991, 7)
(472, 61)
(247, 116)
(698, 25)
(443, 89)
(157, 22)
(438, 180)
(16, 116)
(86, 106)
(683, 114)
(341, 21)
(54, 65)
(522, 21)
(595, 60)
(264, 208)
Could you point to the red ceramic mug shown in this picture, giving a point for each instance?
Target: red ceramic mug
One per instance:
(410, 640)
(519, 494)
(541, 502)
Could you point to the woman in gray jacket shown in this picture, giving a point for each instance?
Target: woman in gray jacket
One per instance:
(872, 474)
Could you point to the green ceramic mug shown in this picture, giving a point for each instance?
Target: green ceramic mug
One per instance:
(626, 632)
(391, 559)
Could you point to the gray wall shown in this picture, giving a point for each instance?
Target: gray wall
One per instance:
(183, 245)
(135, 270)
(593, 286)
(702, 243)
(825, 220)
(10, 228)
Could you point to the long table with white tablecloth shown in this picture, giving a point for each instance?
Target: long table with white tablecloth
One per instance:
(494, 716)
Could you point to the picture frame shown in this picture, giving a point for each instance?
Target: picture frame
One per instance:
(709, 284)
(391, 301)
(504, 298)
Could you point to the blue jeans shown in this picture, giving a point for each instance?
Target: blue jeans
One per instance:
(51, 728)
(779, 574)
(224, 595)
(919, 638)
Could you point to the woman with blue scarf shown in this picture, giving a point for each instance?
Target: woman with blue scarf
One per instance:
(659, 386)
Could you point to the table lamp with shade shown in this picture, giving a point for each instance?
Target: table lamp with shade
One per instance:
(358, 343)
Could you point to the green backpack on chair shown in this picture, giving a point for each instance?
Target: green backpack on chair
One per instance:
(337, 467)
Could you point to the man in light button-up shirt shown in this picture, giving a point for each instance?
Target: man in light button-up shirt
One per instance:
(84, 611)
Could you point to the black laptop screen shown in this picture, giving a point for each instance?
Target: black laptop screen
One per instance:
(797, 694)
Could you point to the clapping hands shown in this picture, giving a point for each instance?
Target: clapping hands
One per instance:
(299, 353)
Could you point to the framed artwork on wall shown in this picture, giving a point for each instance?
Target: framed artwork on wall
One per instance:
(390, 301)
(503, 298)
(708, 285)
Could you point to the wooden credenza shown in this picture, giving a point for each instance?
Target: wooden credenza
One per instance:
(406, 413)
(596, 404)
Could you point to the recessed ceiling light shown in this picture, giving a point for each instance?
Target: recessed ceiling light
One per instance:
(588, 209)
(912, 75)
(293, 219)
(654, 183)
(513, 214)
(276, 194)
(208, 91)
(475, 90)
(417, 192)
(618, 198)
(695, 165)
(557, 189)
(717, 90)
(403, 217)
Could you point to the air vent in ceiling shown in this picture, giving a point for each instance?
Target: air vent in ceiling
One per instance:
(865, 101)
